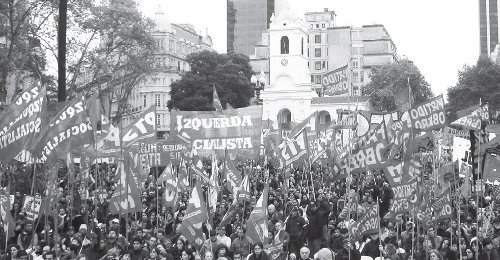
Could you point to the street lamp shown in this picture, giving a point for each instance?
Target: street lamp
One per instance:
(259, 83)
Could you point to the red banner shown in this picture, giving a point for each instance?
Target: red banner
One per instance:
(429, 115)
(335, 82)
(126, 197)
(21, 122)
(238, 131)
(70, 128)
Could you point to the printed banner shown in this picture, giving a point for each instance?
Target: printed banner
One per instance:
(405, 197)
(21, 122)
(293, 150)
(428, 115)
(126, 196)
(442, 206)
(368, 223)
(69, 128)
(472, 122)
(335, 82)
(164, 152)
(238, 131)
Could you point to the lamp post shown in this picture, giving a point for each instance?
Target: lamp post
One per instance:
(260, 83)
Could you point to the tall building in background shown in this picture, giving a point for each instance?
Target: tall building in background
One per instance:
(246, 20)
(488, 26)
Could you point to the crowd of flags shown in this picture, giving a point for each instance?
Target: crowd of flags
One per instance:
(400, 144)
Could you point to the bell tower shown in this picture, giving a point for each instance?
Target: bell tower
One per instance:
(288, 96)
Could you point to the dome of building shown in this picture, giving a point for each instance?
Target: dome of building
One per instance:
(162, 23)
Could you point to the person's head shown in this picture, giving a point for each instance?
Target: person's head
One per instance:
(374, 236)
(62, 211)
(222, 250)
(241, 231)
(179, 244)
(292, 256)
(445, 243)
(187, 254)
(222, 231)
(49, 255)
(271, 209)
(112, 234)
(430, 232)
(236, 255)
(278, 225)
(453, 224)
(209, 256)
(469, 254)
(295, 211)
(72, 248)
(154, 253)
(257, 248)
(14, 249)
(304, 253)
(390, 249)
(487, 244)
(136, 243)
(435, 255)
(152, 241)
(336, 232)
(81, 257)
(28, 227)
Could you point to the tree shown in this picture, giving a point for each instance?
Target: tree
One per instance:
(230, 73)
(480, 81)
(390, 79)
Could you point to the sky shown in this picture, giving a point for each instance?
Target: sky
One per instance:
(439, 36)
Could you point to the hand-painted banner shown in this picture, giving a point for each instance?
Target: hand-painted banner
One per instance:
(428, 115)
(21, 122)
(71, 127)
(405, 197)
(238, 131)
(335, 82)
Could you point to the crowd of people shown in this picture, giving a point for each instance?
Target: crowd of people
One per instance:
(306, 217)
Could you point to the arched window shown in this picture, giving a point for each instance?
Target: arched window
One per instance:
(302, 46)
(284, 45)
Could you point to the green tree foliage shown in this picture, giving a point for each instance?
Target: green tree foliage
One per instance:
(390, 79)
(480, 81)
(230, 73)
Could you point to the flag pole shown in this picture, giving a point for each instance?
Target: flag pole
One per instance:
(157, 160)
(479, 172)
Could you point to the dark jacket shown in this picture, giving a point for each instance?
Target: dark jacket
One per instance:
(343, 254)
(371, 249)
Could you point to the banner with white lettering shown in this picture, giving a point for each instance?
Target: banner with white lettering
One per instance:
(335, 82)
(126, 196)
(21, 122)
(238, 131)
(368, 223)
(164, 152)
(429, 115)
(405, 197)
(442, 206)
(293, 149)
(71, 127)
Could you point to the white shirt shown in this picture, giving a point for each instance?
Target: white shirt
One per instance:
(225, 240)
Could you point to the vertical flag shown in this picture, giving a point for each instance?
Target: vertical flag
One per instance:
(7, 220)
(216, 101)
(170, 193)
(196, 214)
(404, 99)
(22, 121)
(126, 196)
(244, 190)
(233, 175)
(257, 222)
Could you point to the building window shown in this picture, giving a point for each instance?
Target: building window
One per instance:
(157, 100)
(317, 38)
(355, 77)
(317, 65)
(327, 65)
(362, 76)
(323, 25)
(312, 78)
(145, 103)
(355, 64)
(158, 119)
(308, 65)
(318, 79)
(302, 46)
(284, 45)
(324, 64)
(317, 25)
(317, 52)
(355, 91)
